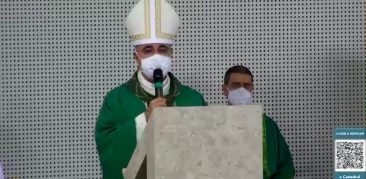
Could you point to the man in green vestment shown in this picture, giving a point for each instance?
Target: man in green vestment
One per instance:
(277, 161)
(152, 26)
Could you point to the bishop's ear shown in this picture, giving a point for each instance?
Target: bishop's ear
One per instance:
(225, 91)
(137, 60)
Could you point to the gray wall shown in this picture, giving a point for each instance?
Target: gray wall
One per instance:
(59, 58)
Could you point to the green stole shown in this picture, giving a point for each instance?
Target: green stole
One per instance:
(134, 86)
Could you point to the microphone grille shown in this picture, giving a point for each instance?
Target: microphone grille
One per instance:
(158, 75)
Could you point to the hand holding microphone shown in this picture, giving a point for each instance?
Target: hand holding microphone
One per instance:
(159, 101)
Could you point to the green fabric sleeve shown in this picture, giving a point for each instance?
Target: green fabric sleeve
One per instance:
(284, 165)
(286, 168)
(115, 135)
(189, 97)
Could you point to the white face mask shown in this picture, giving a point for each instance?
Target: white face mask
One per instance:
(240, 96)
(149, 64)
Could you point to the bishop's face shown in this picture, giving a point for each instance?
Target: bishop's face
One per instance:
(147, 50)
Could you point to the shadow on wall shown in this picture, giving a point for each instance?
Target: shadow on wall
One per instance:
(1, 171)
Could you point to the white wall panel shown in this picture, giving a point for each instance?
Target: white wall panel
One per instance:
(59, 58)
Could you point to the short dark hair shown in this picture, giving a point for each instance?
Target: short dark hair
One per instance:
(237, 69)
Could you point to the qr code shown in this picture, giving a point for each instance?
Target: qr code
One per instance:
(350, 155)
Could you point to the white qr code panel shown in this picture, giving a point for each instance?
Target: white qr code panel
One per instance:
(350, 155)
(59, 58)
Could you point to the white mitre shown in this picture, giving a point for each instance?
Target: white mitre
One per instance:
(152, 21)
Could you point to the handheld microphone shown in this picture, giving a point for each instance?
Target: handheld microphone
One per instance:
(158, 82)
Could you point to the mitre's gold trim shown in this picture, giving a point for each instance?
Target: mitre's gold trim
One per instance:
(147, 33)
(160, 34)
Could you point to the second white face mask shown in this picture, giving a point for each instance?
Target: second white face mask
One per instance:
(240, 96)
(149, 64)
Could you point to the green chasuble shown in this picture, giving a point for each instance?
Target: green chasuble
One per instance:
(277, 160)
(115, 131)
